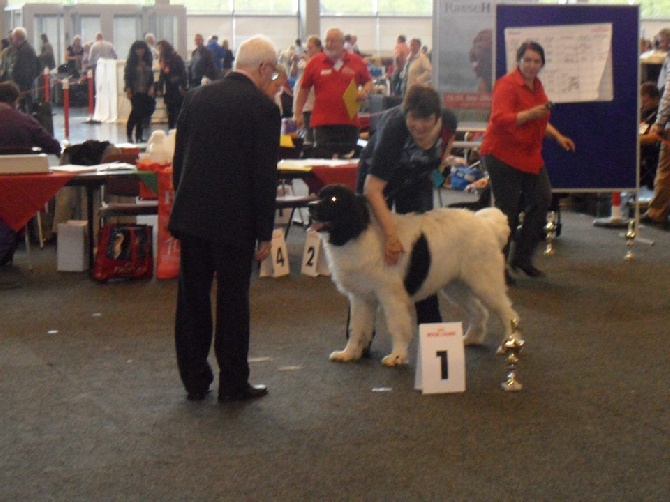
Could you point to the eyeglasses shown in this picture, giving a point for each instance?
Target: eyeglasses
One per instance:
(272, 65)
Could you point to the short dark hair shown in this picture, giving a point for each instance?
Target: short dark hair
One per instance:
(532, 46)
(423, 102)
(9, 92)
(650, 89)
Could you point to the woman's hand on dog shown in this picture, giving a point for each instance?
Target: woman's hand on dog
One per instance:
(392, 250)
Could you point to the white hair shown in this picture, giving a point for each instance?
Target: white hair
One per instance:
(254, 51)
(20, 31)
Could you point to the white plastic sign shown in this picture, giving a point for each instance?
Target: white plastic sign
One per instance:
(276, 265)
(314, 260)
(440, 364)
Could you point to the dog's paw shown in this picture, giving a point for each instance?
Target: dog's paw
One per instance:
(343, 356)
(394, 360)
(474, 338)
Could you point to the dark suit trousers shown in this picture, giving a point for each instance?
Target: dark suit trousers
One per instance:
(200, 260)
(515, 191)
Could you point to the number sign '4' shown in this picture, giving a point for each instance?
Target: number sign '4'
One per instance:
(276, 265)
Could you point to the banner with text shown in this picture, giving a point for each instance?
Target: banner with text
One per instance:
(463, 56)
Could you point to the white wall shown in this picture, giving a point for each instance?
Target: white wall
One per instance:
(376, 36)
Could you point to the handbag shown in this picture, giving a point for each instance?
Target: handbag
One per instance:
(124, 252)
(462, 176)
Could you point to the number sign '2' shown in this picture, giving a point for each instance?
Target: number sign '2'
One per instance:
(313, 257)
(440, 362)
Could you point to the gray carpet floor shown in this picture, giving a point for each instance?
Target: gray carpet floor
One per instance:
(91, 406)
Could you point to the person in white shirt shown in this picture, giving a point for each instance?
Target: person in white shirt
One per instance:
(101, 48)
(418, 70)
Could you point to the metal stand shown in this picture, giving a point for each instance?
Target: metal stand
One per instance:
(615, 220)
(511, 347)
(551, 233)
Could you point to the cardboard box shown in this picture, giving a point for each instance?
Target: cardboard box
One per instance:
(72, 246)
(19, 164)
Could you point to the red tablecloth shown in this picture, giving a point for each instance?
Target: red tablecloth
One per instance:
(328, 175)
(23, 195)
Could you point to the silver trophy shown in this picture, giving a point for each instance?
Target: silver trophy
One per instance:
(511, 348)
(550, 228)
(630, 240)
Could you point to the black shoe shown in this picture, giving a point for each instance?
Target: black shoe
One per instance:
(140, 140)
(130, 139)
(249, 392)
(197, 396)
(527, 269)
(509, 280)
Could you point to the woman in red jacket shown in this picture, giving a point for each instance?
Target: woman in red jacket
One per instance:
(512, 153)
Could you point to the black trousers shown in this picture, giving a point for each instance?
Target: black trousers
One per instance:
(335, 140)
(515, 191)
(173, 107)
(141, 108)
(200, 260)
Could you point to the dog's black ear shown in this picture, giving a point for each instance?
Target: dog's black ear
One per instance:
(352, 216)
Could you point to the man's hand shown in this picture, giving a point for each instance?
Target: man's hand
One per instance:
(263, 250)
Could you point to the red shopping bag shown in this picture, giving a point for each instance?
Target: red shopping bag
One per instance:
(168, 246)
(147, 192)
(124, 252)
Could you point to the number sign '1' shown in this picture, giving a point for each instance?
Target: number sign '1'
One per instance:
(440, 362)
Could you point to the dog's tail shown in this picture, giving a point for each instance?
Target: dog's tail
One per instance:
(497, 221)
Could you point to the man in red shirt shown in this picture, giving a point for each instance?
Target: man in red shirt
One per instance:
(331, 73)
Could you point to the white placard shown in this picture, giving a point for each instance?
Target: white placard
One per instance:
(440, 362)
(276, 265)
(314, 261)
(579, 60)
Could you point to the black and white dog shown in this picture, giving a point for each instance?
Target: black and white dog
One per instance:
(454, 251)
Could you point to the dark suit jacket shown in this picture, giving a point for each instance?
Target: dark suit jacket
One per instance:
(225, 163)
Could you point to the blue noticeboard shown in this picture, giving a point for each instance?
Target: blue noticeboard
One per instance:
(605, 132)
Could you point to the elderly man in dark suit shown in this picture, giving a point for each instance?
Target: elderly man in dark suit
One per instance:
(23, 68)
(225, 176)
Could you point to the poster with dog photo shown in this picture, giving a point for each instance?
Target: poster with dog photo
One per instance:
(463, 56)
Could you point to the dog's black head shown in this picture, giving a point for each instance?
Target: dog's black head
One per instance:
(340, 212)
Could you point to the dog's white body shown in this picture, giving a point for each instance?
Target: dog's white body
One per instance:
(466, 264)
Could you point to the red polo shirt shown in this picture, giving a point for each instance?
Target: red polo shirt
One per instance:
(520, 146)
(330, 81)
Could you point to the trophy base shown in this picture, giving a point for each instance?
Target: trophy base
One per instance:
(610, 222)
(511, 386)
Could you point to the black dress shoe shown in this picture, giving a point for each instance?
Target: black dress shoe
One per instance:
(527, 269)
(509, 280)
(249, 392)
(198, 395)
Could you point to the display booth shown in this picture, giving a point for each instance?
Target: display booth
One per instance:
(603, 122)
